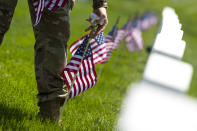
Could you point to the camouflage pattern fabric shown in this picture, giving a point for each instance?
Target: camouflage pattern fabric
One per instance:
(51, 36)
(7, 8)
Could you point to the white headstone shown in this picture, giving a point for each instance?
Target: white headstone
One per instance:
(158, 102)
(149, 108)
(169, 39)
(168, 72)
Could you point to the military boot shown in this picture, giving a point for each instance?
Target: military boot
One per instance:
(50, 110)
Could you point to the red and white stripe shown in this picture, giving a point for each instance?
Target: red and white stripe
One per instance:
(39, 7)
(86, 77)
(51, 5)
(148, 20)
(120, 36)
(134, 40)
(99, 52)
(109, 46)
(76, 44)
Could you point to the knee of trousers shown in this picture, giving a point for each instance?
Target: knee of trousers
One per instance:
(52, 34)
(49, 64)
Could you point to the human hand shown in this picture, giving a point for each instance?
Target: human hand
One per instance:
(102, 15)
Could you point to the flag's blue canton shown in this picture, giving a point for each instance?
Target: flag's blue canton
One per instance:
(148, 14)
(138, 24)
(135, 24)
(113, 32)
(80, 51)
(124, 27)
(145, 16)
(100, 39)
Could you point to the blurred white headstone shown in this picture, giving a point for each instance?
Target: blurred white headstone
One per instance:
(169, 39)
(158, 102)
(149, 108)
(168, 72)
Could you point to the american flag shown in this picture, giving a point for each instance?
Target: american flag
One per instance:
(148, 20)
(98, 47)
(86, 75)
(110, 40)
(121, 33)
(51, 5)
(134, 40)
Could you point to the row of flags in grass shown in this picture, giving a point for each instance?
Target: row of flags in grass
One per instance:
(133, 36)
(79, 74)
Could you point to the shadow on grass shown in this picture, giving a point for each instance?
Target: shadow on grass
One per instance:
(12, 117)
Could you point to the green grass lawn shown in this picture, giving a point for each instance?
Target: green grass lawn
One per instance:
(98, 108)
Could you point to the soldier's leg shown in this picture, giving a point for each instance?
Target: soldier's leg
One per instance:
(7, 8)
(52, 34)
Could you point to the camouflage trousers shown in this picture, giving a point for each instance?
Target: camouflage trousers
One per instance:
(51, 34)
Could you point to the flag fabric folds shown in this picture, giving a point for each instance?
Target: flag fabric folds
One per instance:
(134, 40)
(79, 74)
(110, 41)
(85, 72)
(148, 20)
(121, 33)
(51, 5)
(97, 45)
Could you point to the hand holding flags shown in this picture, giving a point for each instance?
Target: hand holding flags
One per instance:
(99, 51)
(79, 74)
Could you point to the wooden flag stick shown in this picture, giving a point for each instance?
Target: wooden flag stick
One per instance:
(102, 66)
(118, 52)
(117, 20)
(116, 58)
(75, 76)
(129, 18)
(100, 71)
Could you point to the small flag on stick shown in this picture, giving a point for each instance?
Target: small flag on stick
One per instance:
(81, 58)
(110, 39)
(97, 45)
(134, 40)
(82, 68)
(148, 20)
(121, 33)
